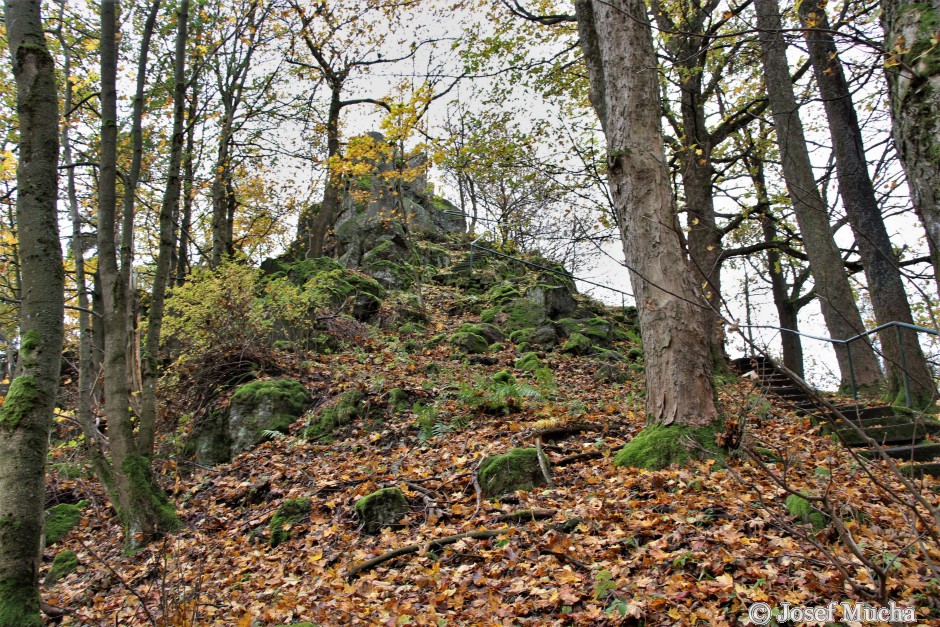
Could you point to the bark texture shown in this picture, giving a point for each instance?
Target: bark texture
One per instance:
(913, 72)
(618, 47)
(26, 415)
(885, 286)
(830, 279)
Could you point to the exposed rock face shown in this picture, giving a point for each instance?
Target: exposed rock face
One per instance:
(380, 210)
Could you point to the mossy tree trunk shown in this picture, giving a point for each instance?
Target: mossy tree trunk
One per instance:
(142, 505)
(617, 42)
(885, 287)
(26, 415)
(913, 72)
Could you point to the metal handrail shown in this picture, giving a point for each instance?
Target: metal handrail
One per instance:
(848, 349)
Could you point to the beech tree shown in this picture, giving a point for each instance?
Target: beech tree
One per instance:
(617, 44)
(26, 415)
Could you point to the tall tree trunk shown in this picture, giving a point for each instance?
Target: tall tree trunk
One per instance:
(861, 207)
(171, 198)
(622, 69)
(26, 415)
(913, 72)
(787, 312)
(330, 205)
(86, 363)
(182, 256)
(221, 241)
(831, 281)
(142, 505)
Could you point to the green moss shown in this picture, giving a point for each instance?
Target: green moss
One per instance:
(61, 518)
(504, 376)
(289, 394)
(412, 328)
(350, 405)
(522, 313)
(488, 332)
(291, 512)
(397, 399)
(804, 510)
(516, 470)
(470, 343)
(19, 603)
(502, 294)
(65, 562)
(30, 341)
(529, 361)
(657, 446)
(382, 508)
(20, 400)
(577, 344)
(137, 469)
(488, 315)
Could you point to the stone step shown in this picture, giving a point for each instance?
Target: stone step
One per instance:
(788, 393)
(919, 470)
(917, 452)
(862, 412)
(893, 434)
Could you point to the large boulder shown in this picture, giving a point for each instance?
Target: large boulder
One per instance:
(510, 472)
(256, 410)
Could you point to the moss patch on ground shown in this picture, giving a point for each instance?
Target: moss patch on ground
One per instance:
(657, 446)
(65, 562)
(350, 405)
(61, 518)
(383, 508)
(291, 512)
(516, 470)
(802, 509)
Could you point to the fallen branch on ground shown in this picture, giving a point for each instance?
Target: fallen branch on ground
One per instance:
(429, 546)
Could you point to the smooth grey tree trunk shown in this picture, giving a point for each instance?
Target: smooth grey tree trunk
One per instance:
(617, 43)
(885, 286)
(830, 279)
(26, 415)
(913, 72)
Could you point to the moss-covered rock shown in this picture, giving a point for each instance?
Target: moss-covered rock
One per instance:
(291, 512)
(383, 508)
(522, 313)
(503, 293)
(504, 376)
(529, 361)
(545, 336)
(510, 472)
(557, 300)
(602, 331)
(488, 332)
(61, 518)
(611, 373)
(657, 446)
(577, 344)
(64, 563)
(260, 406)
(488, 315)
(350, 405)
(470, 343)
(802, 509)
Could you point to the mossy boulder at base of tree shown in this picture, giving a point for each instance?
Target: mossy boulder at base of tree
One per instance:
(656, 446)
(529, 361)
(61, 518)
(804, 510)
(64, 563)
(291, 512)
(383, 508)
(578, 344)
(510, 472)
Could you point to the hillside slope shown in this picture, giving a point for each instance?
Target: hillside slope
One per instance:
(408, 401)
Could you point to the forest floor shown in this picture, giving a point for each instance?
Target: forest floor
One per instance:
(681, 546)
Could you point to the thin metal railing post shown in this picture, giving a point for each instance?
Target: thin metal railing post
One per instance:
(907, 383)
(848, 355)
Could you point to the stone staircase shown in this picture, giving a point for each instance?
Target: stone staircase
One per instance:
(902, 433)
